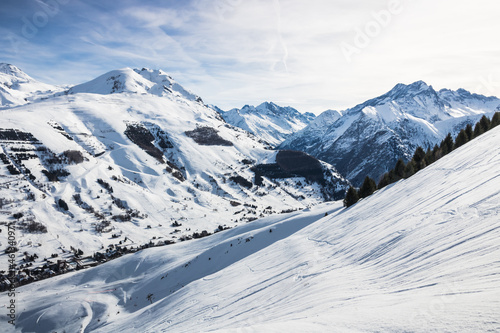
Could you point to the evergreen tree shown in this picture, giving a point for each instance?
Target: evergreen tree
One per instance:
(384, 181)
(470, 132)
(437, 153)
(461, 139)
(367, 188)
(447, 144)
(393, 177)
(399, 169)
(478, 130)
(485, 123)
(429, 156)
(419, 159)
(351, 197)
(495, 121)
(410, 169)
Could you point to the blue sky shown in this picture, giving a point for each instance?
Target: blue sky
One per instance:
(313, 55)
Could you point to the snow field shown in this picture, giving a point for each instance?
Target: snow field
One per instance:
(420, 255)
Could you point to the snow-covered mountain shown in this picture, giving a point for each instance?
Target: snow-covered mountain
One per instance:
(143, 81)
(369, 138)
(268, 121)
(418, 256)
(133, 158)
(18, 88)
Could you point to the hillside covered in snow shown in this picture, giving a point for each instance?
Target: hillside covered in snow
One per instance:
(133, 159)
(421, 255)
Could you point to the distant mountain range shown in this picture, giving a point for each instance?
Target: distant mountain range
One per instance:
(369, 138)
(268, 121)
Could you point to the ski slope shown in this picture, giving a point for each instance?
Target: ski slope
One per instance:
(422, 255)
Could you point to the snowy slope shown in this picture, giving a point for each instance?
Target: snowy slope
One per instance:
(268, 121)
(421, 255)
(369, 138)
(17, 88)
(186, 172)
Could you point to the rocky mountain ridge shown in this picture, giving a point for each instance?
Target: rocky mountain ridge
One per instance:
(369, 138)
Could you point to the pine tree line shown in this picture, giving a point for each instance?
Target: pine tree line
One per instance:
(421, 159)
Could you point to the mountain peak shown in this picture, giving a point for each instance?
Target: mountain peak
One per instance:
(369, 138)
(409, 90)
(115, 81)
(268, 105)
(8, 68)
(17, 87)
(136, 81)
(463, 94)
(268, 121)
(274, 110)
(14, 71)
(414, 99)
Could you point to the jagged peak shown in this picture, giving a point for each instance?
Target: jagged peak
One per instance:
(276, 109)
(323, 120)
(413, 89)
(464, 94)
(331, 113)
(403, 94)
(272, 110)
(269, 105)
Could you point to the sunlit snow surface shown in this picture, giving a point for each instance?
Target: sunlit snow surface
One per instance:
(422, 255)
